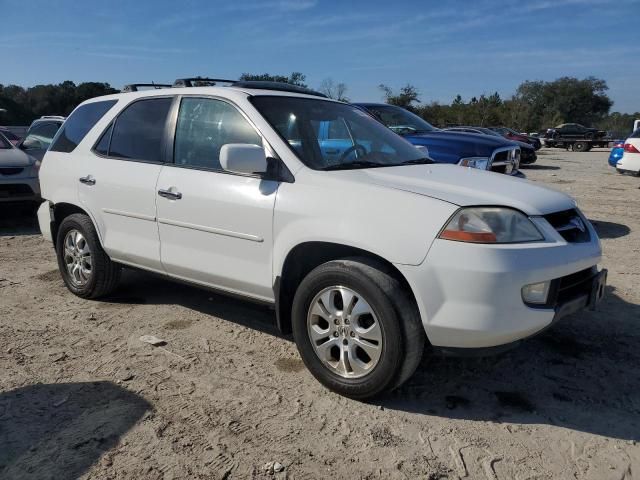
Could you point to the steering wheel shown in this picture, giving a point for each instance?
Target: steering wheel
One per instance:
(353, 148)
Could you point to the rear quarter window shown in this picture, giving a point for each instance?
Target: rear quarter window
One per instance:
(78, 125)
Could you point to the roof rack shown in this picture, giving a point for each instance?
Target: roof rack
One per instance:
(200, 82)
(133, 87)
(279, 86)
(254, 84)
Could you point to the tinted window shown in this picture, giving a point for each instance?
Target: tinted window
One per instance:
(4, 143)
(139, 130)
(204, 126)
(635, 134)
(42, 135)
(102, 146)
(78, 125)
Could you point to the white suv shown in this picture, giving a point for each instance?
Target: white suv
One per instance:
(366, 252)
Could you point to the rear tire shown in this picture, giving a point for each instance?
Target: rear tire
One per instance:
(86, 269)
(329, 335)
(580, 147)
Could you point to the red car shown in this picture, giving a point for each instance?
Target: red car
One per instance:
(9, 135)
(518, 137)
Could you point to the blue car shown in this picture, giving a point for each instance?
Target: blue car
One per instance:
(466, 149)
(616, 153)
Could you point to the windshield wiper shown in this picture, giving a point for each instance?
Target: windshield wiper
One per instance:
(356, 164)
(419, 161)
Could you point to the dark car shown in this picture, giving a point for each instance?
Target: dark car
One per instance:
(465, 149)
(511, 134)
(40, 135)
(527, 151)
(574, 131)
(9, 135)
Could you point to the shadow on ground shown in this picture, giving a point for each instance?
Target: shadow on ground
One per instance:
(18, 219)
(537, 166)
(581, 374)
(60, 430)
(610, 229)
(137, 287)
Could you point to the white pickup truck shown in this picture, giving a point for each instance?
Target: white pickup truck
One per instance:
(367, 255)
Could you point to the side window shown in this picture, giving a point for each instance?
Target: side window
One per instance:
(76, 127)
(139, 130)
(102, 147)
(204, 126)
(40, 137)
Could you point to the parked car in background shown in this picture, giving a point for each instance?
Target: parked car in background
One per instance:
(468, 150)
(527, 151)
(365, 256)
(574, 131)
(630, 160)
(40, 135)
(511, 134)
(616, 153)
(18, 174)
(9, 135)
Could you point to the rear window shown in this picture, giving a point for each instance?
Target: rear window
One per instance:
(635, 134)
(139, 130)
(78, 125)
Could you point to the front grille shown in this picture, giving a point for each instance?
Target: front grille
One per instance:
(15, 190)
(569, 225)
(505, 161)
(11, 171)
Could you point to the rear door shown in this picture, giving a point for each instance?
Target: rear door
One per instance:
(118, 182)
(215, 226)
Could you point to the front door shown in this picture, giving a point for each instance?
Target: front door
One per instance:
(215, 226)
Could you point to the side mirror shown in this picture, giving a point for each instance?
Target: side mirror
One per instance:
(243, 158)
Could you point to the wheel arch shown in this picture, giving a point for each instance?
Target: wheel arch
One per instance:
(306, 256)
(62, 210)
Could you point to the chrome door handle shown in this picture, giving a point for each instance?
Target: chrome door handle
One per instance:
(170, 195)
(88, 180)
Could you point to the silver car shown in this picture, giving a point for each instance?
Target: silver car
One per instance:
(18, 174)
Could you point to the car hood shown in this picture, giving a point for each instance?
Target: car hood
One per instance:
(466, 187)
(464, 137)
(13, 157)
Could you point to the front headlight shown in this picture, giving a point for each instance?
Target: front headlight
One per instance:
(490, 225)
(475, 162)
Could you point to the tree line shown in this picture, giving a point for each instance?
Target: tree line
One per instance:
(535, 105)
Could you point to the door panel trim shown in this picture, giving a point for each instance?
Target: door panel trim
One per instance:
(122, 213)
(217, 231)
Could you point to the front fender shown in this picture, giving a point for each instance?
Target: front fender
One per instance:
(396, 225)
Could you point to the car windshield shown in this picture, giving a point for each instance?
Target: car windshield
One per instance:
(4, 143)
(400, 120)
(329, 135)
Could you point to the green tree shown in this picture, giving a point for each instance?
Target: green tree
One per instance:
(405, 98)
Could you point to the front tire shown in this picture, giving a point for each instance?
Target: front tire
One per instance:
(357, 330)
(86, 269)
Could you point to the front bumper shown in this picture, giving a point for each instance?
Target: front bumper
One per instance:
(469, 295)
(21, 189)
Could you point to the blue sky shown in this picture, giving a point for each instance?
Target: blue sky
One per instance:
(442, 47)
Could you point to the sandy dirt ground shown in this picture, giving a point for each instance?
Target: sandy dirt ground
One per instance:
(82, 397)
